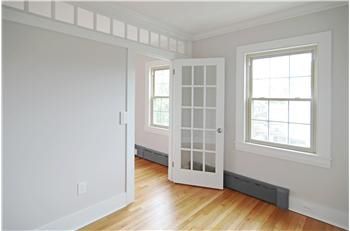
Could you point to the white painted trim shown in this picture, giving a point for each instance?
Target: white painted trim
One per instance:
(322, 89)
(57, 26)
(130, 128)
(147, 122)
(87, 215)
(270, 18)
(320, 212)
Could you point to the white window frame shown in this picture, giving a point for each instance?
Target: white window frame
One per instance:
(321, 155)
(149, 127)
(269, 54)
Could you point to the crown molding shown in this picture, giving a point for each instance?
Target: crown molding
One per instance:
(270, 18)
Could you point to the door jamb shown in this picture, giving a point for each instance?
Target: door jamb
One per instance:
(130, 109)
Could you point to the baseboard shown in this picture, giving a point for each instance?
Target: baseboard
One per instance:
(88, 215)
(267, 192)
(151, 155)
(329, 215)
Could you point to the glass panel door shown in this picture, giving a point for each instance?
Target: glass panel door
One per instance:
(198, 122)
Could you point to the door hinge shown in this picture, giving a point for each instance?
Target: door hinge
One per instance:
(173, 71)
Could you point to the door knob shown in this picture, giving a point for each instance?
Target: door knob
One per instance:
(219, 130)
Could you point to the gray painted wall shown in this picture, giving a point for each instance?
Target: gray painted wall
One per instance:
(324, 191)
(61, 99)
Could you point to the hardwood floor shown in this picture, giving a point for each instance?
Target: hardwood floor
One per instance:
(161, 204)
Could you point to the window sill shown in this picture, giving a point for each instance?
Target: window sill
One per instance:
(156, 130)
(284, 154)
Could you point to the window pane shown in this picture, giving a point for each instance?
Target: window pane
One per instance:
(185, 138)
(259, 130)
(261, 68)
(209, 162)
(278, 111)
(186, 96)
(198, 75)
(198, 118)
(278, 132)
(198, 98)
(187, 75)
(279, 88)
(299, 135)
(185, 159)
(186, 118)
(300, 87)
(211, 97)
(210, 118)
(198, 161)
(210, 141)
(260, 109)
(211, 75)
(161, 82)
(260, 88)
(299, 112)
(300, 65)
(160, 111)
(198, 139)
(279, 66)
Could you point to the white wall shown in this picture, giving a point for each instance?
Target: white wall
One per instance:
(61, 99)
(324, 191)
(143, 137)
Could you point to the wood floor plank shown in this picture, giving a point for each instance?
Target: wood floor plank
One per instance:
(163, 205)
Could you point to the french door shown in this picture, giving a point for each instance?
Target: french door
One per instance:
(198, 122)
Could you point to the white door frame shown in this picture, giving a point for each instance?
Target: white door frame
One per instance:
(130, 108)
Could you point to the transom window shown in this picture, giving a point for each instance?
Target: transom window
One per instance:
(280, 98)
(159, 97)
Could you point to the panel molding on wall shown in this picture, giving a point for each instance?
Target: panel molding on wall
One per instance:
(89, 19)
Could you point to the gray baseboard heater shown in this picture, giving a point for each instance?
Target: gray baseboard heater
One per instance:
(267, 192)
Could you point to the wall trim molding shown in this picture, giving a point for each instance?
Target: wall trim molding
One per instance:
(87, 215)
(270, 18)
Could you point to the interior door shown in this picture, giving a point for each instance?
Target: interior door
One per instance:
(198, 122)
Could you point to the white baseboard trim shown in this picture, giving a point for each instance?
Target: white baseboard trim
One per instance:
(319, 212)
(88, 215)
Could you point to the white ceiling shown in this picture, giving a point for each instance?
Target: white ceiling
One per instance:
(201, 17)
(198, 20)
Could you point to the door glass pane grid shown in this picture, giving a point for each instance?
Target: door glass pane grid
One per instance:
(280, 121)
(202, 135)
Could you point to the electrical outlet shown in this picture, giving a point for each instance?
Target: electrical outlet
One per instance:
(81, 188)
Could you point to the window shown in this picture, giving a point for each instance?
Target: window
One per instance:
(283, 99)
(280, 98)
(159, 97)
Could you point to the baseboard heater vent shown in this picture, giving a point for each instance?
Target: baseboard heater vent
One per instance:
(151, 155)
(261, 190)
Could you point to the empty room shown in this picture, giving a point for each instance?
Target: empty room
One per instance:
(169, 115)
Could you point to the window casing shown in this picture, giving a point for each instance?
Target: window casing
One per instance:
(159, 97)
(280, 110)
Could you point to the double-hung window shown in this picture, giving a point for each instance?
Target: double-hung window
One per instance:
(280, 98)
(159, 97)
